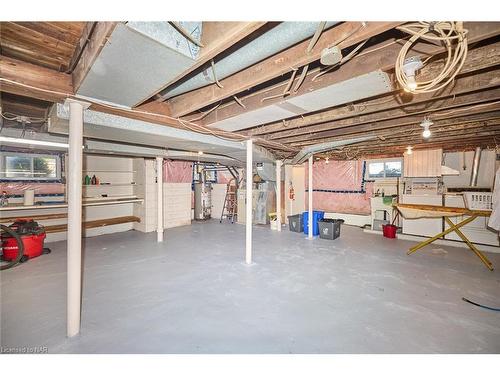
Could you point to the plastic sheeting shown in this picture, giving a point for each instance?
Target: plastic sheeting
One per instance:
(339, 186)
(18, 188)
(178, 171)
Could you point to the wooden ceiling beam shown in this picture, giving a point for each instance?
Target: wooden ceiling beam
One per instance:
(421, 109)
(274, 66)
(216, 37)
(370, 129)
(99, 37)
(488, 56)
(366, 62)
(80, 45)
(36, 76)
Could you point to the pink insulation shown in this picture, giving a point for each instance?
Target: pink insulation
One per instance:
(177, 171)
(18, 188)
(338, 187)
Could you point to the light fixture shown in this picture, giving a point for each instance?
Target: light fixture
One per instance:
(410, 67)
(409, 150)
(327, 160)
(200, 152)
(32, 142)
(426, 123)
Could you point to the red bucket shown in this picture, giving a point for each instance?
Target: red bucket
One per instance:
(389, 230)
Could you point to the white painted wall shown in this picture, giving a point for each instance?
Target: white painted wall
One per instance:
(176, 199)
(296, 175)
(486, 173)
(218, 196)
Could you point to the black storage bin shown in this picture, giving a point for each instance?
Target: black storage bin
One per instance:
(295, 223)
(329, 229)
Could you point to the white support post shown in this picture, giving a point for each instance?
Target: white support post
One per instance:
(159, 199)
(74, 194)
(278, 194)
(310, 195)
(249, 203)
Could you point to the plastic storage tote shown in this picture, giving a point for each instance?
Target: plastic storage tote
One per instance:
(329, 229)
(296, 223)
(317, 215)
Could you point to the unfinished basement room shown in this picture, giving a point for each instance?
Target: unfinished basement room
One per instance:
(244, 187)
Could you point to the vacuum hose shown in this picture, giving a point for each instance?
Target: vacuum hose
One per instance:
(20, 247)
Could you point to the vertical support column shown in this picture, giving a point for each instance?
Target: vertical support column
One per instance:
(249, 203)
(159, 199)
(278, 194)
(74, 194)
(310, 195)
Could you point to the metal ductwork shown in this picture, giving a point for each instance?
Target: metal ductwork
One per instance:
(304, 154)
(280, 37)
(475, 167)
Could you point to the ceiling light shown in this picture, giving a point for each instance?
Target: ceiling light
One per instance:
(32, 142)
(409, 150)
(410, 67)
(200, 152)
(426, 123)
(327, 160)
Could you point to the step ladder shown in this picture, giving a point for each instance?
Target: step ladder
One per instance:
(229, 210)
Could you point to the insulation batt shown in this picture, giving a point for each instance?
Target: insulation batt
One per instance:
(177, 171)
(340, 176)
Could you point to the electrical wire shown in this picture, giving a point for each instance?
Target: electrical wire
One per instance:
(478, 304)
(316, 36)
(445, 32)
(215, 75)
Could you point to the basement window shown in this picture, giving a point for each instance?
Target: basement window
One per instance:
(20, 166)
(387, 168)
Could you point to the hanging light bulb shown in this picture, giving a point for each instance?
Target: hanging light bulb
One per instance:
(409, 150)
(410, 67)
(426, 123)
(412, 84)
(327, 160)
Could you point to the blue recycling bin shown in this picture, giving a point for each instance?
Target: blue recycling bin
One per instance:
(317, 216)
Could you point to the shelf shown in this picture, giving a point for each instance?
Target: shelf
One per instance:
(93, 202)
(96, 171)
(105, 185)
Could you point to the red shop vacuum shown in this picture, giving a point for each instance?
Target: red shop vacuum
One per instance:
(22, 241)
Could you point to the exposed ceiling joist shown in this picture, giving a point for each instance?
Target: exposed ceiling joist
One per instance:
(100, 34)
(274, 66)
(216, 38)
(403, 114)
(477, 114)
(481, 58)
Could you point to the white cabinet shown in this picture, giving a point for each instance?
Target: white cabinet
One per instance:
(425, 163)
(423, 227)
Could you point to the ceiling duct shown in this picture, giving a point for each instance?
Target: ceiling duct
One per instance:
(348, 91)
(304, 154)
(475, 167)
(277, 39)
(104, 126)
(137, 61)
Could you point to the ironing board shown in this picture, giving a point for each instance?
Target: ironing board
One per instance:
(415, 211)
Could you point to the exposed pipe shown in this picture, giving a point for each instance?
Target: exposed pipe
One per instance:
(475, 166)
(273, 41)
(249, 202)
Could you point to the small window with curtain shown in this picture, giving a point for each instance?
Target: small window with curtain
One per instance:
(20, 166)
(384, 168)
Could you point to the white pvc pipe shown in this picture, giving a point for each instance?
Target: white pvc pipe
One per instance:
(159, 199)
(310, 208)
(278, 194)
(74, 194)
(249, 203)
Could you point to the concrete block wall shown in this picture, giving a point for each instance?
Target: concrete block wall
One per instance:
(176, 199)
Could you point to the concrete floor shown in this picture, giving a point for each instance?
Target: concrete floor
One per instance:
(192, 294)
